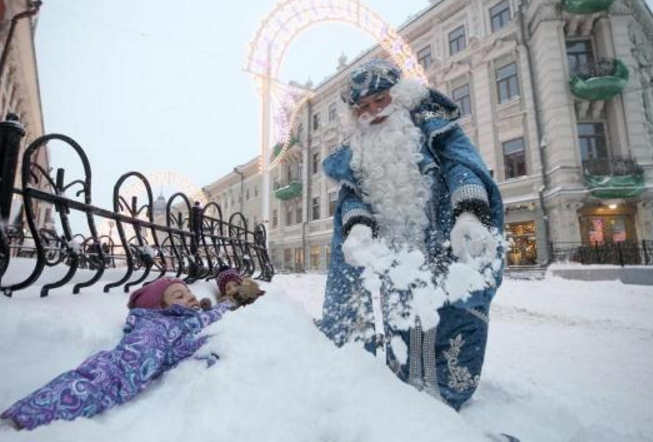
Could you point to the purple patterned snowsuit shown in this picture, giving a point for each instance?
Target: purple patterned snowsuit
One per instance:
(154, 342)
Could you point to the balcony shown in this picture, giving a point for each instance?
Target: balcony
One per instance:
(292, 190)
(614, 178)
(586, 6)
(599, 80)
(293, 152)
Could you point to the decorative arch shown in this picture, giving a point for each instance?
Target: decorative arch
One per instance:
(280, 102)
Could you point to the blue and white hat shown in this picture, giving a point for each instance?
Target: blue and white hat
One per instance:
(368, 79)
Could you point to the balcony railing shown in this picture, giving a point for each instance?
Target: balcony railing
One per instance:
(615, 177)
(599, 80)
(620, 253)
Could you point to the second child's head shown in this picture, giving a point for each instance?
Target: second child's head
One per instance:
(241, 290)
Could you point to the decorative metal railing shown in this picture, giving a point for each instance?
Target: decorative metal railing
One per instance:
(620, 253)
(192, 241)
(599, 80)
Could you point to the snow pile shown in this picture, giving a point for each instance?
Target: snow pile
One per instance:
(278, 378)
(567, 361)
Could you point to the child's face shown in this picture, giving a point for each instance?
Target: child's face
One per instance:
(181, 295)
(232, 288)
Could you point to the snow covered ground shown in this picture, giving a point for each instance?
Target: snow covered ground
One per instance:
(567, 361)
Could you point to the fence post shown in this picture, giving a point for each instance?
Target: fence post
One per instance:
(645, 252)
(620, 254)
(11, 133)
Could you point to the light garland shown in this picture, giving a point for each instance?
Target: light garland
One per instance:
(286, 21)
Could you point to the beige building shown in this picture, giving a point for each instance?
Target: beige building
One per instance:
(19, 87)
(556, 96)
(239, 191)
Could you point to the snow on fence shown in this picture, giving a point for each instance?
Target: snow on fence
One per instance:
(190, 240)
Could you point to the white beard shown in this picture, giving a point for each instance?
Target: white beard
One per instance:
(385, 160)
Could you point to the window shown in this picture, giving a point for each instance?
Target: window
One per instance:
(316, 162)
(299, 259)
(275, 183)
(287, 258)
(514, 158)
(333, 112)
(579, 54)
(424, 57)
(500, 15)
(507, 82)
(315, 257)
(247, 195)
(333, 199)
(316, 121)
(315, 208)
(461, 97)
(300, 130)
(255, 191)
(299, 215)
(457, 40)
(288, 214)
(591, 138)
(275, 218)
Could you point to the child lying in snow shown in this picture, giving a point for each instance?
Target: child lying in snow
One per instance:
(160, 331)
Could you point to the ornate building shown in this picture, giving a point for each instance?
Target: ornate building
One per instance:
(19, 86)
(557, 95)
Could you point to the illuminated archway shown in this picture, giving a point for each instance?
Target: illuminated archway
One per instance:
(266, 53)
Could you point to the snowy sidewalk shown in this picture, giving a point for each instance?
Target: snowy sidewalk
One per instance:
(567, 362)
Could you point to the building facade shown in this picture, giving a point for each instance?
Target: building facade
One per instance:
(557, 96)
(20, 93)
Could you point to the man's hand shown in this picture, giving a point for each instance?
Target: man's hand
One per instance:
(472, 241)
(357, 245)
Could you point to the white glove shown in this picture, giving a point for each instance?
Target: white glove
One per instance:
(472, 241)
(357, 245)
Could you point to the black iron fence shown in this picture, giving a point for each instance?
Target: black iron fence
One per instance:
(190, 241)
(620, 253)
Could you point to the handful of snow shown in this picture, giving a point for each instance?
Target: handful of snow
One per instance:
(406, 269)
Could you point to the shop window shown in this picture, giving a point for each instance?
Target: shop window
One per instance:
(523, 243)
(315, 257)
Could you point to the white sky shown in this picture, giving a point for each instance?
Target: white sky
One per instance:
(158, 85)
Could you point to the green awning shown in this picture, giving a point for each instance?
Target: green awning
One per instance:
(586, 6)
(607, 187)
(292, 190)
(602, 87)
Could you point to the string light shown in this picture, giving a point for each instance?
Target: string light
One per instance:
(287, 20)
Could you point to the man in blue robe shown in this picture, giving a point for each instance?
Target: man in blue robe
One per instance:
(409, 175)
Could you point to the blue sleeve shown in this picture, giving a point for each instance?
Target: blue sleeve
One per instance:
(465, 173)
(355, 211)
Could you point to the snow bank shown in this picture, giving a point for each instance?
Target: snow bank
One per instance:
(567, 361)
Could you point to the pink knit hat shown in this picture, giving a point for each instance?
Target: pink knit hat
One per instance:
(227, 276)
(151, 295)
